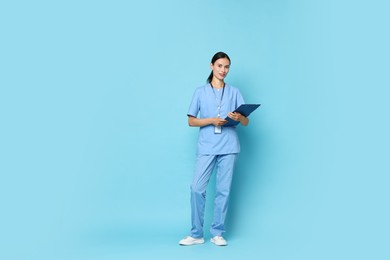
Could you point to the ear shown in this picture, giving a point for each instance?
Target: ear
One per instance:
(211, 66)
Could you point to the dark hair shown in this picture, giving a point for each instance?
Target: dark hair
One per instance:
(217, 56)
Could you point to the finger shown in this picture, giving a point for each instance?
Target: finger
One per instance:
(233, 116)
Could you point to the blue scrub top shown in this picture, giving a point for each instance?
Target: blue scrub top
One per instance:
(205, 105)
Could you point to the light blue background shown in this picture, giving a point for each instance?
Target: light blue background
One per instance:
(97, 158)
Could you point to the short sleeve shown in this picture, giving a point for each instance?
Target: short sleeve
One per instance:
(194, 106)
(239, 99)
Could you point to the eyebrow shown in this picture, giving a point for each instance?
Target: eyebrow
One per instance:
(223, 65)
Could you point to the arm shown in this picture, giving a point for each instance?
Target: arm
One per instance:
(238, 117)
(193, 121)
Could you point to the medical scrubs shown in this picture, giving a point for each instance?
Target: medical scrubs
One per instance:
(214, 151)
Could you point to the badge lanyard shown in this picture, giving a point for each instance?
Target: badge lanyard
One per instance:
(218, 129)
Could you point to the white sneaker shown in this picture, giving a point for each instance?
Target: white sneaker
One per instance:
(219, 241)
(189, 241)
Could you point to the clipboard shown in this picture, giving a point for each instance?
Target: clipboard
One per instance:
(245, 110)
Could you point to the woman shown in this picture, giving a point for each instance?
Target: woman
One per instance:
(218, 147)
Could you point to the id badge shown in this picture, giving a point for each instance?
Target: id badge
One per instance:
(217, 129)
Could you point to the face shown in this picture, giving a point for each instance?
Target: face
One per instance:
(220, 68)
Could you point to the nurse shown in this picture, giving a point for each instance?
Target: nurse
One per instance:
(218, 147)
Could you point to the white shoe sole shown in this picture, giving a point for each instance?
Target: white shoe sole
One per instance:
(191, 244)
(215, 243)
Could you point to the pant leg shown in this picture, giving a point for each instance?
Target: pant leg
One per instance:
(225, 167)
(203, 170)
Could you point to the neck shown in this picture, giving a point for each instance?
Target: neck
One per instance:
(216, 83)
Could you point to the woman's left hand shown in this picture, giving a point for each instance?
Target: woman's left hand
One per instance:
(235, 116)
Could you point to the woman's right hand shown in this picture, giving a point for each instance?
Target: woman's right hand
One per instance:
(216, 121)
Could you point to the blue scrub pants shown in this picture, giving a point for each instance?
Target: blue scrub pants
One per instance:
(204, 167)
